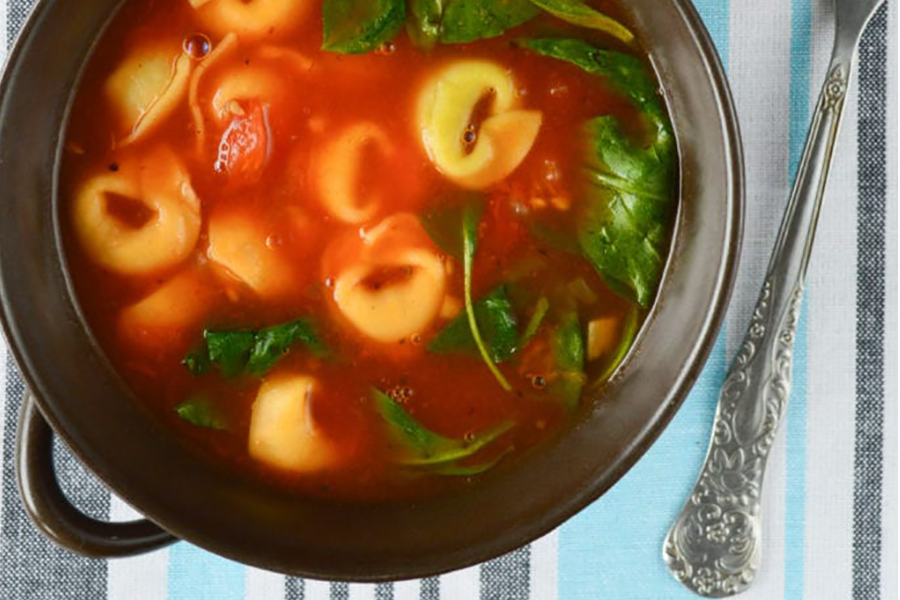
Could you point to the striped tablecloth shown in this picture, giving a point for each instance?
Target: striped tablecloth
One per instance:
(831, 496)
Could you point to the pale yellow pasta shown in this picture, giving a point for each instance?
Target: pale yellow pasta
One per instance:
(222, 49)
(500, 142)
(239, 246)
(337, 169)
(412, 293)
(176, 305)
(147, 87)
(159, 181)
(240, 85)
(282, 430)
(252, 19)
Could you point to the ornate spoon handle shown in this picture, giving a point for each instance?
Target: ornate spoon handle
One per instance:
(714, 547)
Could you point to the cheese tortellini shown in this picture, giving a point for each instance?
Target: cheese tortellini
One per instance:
(239, 246)
(252, 18)
(175, 306)
(282, 430)
(146, 87)
(159, 182)
(475, 155)
(389, 281)
(337, 169)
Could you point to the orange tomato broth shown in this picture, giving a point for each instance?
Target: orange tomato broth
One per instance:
(453, 394)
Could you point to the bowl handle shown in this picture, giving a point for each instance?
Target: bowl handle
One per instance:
(50, 510)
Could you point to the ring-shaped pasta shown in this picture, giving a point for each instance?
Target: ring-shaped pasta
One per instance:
(158, 181)
(252, 19)
(499, 143)
(146, 87)
(336, 172)
(389, 282)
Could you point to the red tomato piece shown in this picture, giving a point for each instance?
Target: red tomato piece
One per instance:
(245, 146)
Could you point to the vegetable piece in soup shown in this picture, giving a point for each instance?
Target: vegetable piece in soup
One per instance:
(368, 249)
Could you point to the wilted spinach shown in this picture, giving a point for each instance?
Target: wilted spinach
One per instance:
(579, 13)
(418, 446)
(471, 20)
(200, 412)
(496, 319)
(630, 196)
(254, 352)
(360, 26)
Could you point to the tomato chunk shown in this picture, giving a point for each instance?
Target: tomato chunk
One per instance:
(245, 146)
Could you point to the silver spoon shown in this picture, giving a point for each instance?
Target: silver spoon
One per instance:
(715, 545)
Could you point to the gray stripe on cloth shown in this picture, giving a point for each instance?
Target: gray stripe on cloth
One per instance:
(870, 299)
(340, 591)
(33, 567)
(507, 577)
(17, 12)
(430, 589)
(384, 591)
(294, 588)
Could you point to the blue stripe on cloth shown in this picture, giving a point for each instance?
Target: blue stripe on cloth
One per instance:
(795, 488)
(195, 574)
(603, 551)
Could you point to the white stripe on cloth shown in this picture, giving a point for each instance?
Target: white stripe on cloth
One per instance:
(407, 590)
(760, 72)
(889, 528)
(544, 577)
(140, 577)
(465, 583)
(360, 591)
(831, 285)
(263, 585)
(316, 590)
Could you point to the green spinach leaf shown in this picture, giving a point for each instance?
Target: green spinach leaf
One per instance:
(630, 193)
(629, 332)
(200, 412)
(568, 352)
(579, 13)
(229, 350)
(418, 446)
(238, 352)
(534, 323)
(471, 219)
(273, 342)
(197, 362)
(471, 20)
(496, 318)
(423, 24)
(360, 26)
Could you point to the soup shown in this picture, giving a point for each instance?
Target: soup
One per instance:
(364, 249)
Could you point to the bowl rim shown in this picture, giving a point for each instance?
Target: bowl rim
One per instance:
(630, 454)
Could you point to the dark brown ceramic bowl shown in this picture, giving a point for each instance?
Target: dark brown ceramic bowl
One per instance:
(89, 406)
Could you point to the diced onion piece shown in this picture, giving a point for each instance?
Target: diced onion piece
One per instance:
(172, 308)
(161, 183)
(337, 169)
(445, 114)
(238, 245)
(252, 19)
(601, 337)
(282, 431)
(409, 299)
(146, 88)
